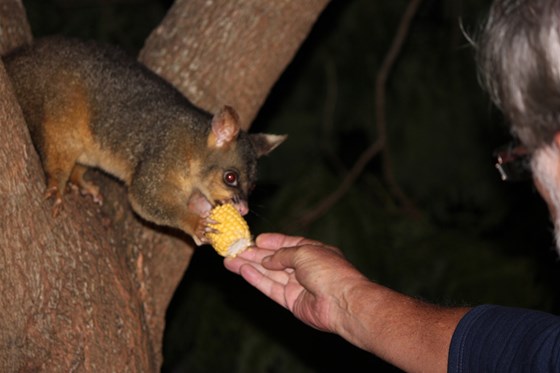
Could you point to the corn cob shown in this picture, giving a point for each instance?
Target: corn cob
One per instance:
(230, 233)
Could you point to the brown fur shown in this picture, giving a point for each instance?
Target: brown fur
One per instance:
(90, 105)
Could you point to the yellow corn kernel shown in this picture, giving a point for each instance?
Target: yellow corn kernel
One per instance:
(231, 233)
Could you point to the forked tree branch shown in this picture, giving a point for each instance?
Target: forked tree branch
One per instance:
(97, 279)
(381, 144)
(380, 106)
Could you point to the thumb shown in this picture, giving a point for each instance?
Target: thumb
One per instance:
(281, 259)
(275, 241)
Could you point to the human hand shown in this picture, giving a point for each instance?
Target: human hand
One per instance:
(311, 279)
(321, 288)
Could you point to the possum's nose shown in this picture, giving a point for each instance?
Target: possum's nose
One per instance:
(242, 207)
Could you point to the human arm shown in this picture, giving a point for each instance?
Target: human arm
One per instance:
(321, 288)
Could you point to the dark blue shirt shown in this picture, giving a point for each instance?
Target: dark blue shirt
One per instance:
(502, 339)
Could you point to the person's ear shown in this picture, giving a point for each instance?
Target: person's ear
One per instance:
(545, 167)
(556, 140)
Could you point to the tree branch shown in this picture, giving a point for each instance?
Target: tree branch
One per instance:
(14, 28)
(98, 279)
(380, 105)
(251, 57)
(381, 144)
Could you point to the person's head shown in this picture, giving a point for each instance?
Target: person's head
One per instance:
(518, 53)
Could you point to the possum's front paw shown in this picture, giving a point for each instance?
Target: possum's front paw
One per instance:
(203, 227)
(200, 207)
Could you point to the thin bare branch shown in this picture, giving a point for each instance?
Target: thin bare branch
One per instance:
(343, 188)
(380, 105)
(380, 145)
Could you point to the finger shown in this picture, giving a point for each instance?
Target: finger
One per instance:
(275, 241)
(251, 255)
(282, 259)
(255, 254)
(265, 284)
(235, 264)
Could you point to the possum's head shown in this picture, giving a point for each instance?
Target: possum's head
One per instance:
(228, 173)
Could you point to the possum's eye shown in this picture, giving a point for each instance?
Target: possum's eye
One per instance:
(231, 178)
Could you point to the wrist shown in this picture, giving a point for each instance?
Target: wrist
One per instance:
(409, 333)
(355, 300)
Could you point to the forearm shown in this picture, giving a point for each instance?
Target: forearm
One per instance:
(413, 335)
(322, 289)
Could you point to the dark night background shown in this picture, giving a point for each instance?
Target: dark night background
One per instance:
(478, 240)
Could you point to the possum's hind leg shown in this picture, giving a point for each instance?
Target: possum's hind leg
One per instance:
(58, 169)
(87, 188)
(65, 137)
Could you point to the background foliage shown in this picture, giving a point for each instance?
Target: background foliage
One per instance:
(477, 240)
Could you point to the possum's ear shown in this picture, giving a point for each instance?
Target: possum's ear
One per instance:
(225, 128)
(265, 143)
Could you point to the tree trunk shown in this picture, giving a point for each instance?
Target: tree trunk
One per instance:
(14, 28)
(229, 52)
(88, 290)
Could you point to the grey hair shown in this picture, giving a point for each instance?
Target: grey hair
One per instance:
(544, 164)
(518, 54)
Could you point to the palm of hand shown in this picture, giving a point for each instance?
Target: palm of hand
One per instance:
(311, 290)
(305, 305)
(306, 277)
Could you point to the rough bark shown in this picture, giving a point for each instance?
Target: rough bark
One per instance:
(88, 290)
(229, 52)
(14, 28)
